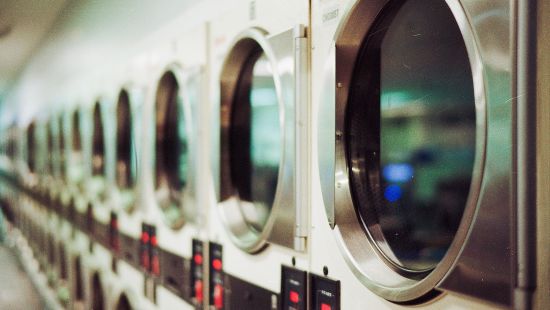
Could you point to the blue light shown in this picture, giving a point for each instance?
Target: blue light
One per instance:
(392, 193)
(398, 172)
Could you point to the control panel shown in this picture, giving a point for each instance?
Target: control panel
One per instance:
(324, 293)
(149, 252)
(197, 272)
(293, 289)
(216, 276)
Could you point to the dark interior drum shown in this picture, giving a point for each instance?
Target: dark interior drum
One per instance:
(98, 301)
(123, 303)
(76, 137)
(124, 176)
(171, 162)
(78, 284)
(98, 143)
(255, 140)
(31, 147)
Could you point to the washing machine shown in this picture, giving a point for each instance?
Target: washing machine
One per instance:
(57, 198)
(57, 271)
(102, 190)
(79, 211)
(126, 300)
(73, 196)
(99, 188)
(122, 138)
(63, 291)
(413, 149)
(27, 167)
(65, 196)
(174, 222)
(258, 217)
(69, 202)
(61, 194)
(52, 174)
(8, 172)
(126, 216)
(77, 286)
(33, 173)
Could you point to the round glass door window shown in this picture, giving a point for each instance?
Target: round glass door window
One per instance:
(50, 144)
(31, 147)
(124, 176)
(172, 153)
(98, 146)
(411, 133)
(77, 145)
(124, 173)
(74, 165)
(255, 141)
(61, 140)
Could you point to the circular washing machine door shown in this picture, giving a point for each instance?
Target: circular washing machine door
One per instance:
(75, 167)
(98, 142)
(61, 146)
(59, 161)
(174, 147)
(98, 185)
(125, 153)
(51, 158)
(252, 163)
(52, 178)
(63, 291)
(123, 303)
(31, 148)
(409, 143)
(98, 297)
(77, 287)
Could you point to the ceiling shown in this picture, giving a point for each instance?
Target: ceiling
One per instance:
(59, 38)
(23, 25)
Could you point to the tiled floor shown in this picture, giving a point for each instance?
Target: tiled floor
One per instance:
(16, 289)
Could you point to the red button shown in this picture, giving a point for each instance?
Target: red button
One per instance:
(145, 259)
(325, 307)
(155, 265)
(218, 296)
(217, 264)
(198, 259)
(154, 241)
(144, 237)
(294, 297)
(198, 291)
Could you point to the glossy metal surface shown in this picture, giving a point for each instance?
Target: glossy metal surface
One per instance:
(187, 101)
(279, 227)
(125, 141)
(98, 182)
(75, 160)
(468, 267)
(125, 157)
(410, 138)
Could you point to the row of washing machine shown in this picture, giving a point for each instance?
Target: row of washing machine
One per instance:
(284, 155)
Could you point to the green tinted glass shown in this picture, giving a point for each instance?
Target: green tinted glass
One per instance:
(427, 133)
(265, 142)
